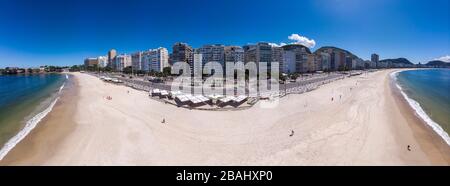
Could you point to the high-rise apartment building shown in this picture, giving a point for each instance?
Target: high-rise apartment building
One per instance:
(122, 61)
(182, 52)
(212, 53)
(234, 54)
(111, 57)
(155, 59)
(90, 62)
(311, 63)
(324, 61)
(261, 52)
(102, 61)
(375, 59)
(295, 55)
(277, 56)
(136, 61)
(289, 62)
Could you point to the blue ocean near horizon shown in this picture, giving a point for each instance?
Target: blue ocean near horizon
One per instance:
(22, 97)
(14, 88)
(431, 89)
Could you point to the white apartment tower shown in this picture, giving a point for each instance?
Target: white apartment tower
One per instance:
(122, 61)
(155, 59)
(102, 61)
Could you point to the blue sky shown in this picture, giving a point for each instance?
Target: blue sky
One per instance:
(64, 32)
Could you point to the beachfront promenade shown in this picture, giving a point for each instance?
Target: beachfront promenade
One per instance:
(194, 97)
(289, 87)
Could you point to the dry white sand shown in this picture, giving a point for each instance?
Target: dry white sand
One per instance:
(364, 127)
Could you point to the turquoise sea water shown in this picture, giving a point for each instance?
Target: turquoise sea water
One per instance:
(22, 97)
(431, 89)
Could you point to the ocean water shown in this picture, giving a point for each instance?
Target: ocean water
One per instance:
(24, 101)
(428, 92)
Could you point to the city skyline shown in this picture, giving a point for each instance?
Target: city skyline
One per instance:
(64, 33)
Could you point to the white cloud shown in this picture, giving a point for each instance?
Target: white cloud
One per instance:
(274, 45)
(277, 45)
(298, 39)
(444, 58)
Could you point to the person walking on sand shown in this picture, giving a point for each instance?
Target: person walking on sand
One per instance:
(408, 147)
(163, 121)
(292, 133)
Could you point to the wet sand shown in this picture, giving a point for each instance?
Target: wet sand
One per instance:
(434, 146)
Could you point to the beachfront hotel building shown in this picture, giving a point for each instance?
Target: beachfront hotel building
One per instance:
(234, 54)
(340, 59)
(277, 56)
(249, 53)
(261, 52)
(212, 53)
(111, 57)
(90, 62)
(375, 59)
(295, 57)
(337, 60)
(102, 61)
(289, 62)
(311, 63)
(359, 64)
(354, 62)
(348, 62)
(369, 64)
(381, 64)
(136, 61)
(122, 61)
(163, 58)
(324, 60)
(182, 52)
(155, 60)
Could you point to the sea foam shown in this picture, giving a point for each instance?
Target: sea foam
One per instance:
(60, 88)
(29, 126)
(420, 112)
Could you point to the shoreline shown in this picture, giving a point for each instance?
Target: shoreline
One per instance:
(428, 138)
(127, 130)
(418, 109)
(26, 148)
(32, 119)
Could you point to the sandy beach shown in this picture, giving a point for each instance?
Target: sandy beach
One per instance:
(367, 123)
